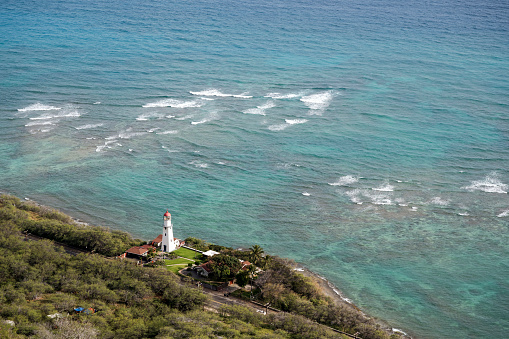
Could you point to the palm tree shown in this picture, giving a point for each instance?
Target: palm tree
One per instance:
(256, 254)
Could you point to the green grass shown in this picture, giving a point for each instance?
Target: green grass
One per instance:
(184, 252)
(175, 268)
(178, 261)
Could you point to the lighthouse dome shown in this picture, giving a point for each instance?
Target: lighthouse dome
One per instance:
(167, 214)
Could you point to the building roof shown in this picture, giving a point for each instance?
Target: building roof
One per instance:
(167, 214)
(206, 267)
(158, 239)
(210, 253)
(138, 250)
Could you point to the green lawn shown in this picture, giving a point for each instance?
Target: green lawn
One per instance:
(175, 268)
(178, 261)
(184, 252)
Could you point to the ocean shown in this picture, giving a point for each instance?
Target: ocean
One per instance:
(367, 140)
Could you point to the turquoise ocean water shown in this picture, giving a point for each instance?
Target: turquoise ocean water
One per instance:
(366, 139)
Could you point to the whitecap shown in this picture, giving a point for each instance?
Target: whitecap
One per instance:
(345, 180)
(463, 214)
(438, 201)
(490, 184)
(260, 110)
(306, 194)
(184, 117)
(88, 126)
(40, 123)
(503, 214)
(414, 208)
(106, 145)
(168, 132)
(318, 102)
(97, 103)
(68, 112)
(152, 130)
(39, 107)
(217, 93)
(128, 134)
(199, 164)
(174, 103)
(376, 198)
(278, 127)
(147, 116)
(277, 95)
(199, 122)
(385, 187)
(295, 121)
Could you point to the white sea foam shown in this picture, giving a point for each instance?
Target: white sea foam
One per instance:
(69, 112)
(260, 110)
(395, 330)
(152, 130)
(148, 116)
(463, 213)
(295, 121)
(385, 187)
(345, 180)
(106, 145)
(306, 194)
(277, 95)
(376, 198)
(318, 102)
(288, 123)
(97, 103)
(88, 126)
(39, 107)
(438, 201)
(199, 122)
(503, 214)
(490, 184)
(278, 127)
(199, 164)
(127, 134)
(168, 132)
(217, 93)
(185, 117)
(174, 103)
(39, 123)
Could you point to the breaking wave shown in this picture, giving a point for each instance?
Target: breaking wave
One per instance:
(217, 93)
(173, 103)
(277, 95)
(39, 107)
(490, 184)
(318, 102)
(345, 180)
(88, 126)
(260, 110)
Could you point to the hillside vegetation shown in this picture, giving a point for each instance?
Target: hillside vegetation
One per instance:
(122, 300)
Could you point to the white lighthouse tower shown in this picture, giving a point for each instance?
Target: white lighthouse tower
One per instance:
(168, 243)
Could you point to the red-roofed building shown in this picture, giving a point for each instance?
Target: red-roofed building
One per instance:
(204, 269)
(139, 251)
(245, 265)
(157, 241)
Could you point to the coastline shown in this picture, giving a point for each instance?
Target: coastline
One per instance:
(335, 294)
(325, 286)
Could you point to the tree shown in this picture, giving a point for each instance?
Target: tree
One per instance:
(256, 254)
(242, 278)
(225, 267)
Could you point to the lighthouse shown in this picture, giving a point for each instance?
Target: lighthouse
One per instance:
(168, 243)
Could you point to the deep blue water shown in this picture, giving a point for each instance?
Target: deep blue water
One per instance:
(367, 140)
